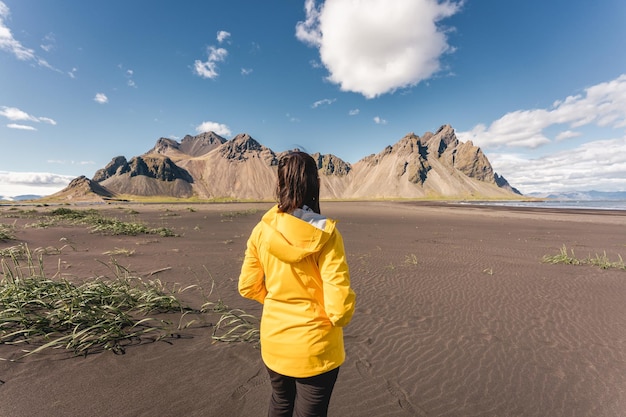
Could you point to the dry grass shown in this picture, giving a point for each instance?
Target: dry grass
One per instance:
(568, 257)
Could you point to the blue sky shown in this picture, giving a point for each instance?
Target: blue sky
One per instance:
(539, 85)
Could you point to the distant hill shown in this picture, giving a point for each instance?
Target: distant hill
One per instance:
(207, 166)
(584, 195)
(20, 197)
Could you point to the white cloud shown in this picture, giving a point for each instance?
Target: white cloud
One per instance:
(219, 128)
(246, 71)
(379, 121)
(354, 112)
(222, 35)
(326, 101)
(603, 105)
(15, 114)
(50, 42)
(48, 120)
(11, 45)
(208, 68)
(72, 73)
(376, 48)
(567, 134)
(101, 98)
(38, 183)
(20, 127)
(598, 165)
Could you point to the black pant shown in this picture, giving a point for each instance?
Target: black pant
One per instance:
(301, 397)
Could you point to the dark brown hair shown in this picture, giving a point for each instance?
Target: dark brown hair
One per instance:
(298, 182)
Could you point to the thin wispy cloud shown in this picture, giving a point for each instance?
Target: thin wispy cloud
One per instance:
(363, 48)
(9, 44)
(603, 105)
(209, 68)
(20, 127)
(63, 162)
(101, 98)
(246, 71)
(219, 128)
(354, 112)
(16, 115)
(323, 102)
(49, 42)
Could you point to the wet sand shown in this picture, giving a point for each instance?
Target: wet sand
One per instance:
(456, 315)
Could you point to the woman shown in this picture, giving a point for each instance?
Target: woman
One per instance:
(295, 266)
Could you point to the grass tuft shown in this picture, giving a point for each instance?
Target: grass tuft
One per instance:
(237, 326)
(6, 232)
(602, 261)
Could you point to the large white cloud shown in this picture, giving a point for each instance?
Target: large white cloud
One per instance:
(597, 165)
(219, 128)
(603, 105)
(373, 47)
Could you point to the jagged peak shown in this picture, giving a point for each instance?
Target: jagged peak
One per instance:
(445, 138)
(329, 164)
(190, 145)
(206, 136)
(243, 146)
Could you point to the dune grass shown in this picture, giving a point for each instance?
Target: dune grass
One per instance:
(6, 232)
(106, 225)
(101, 314)
(569, 258)
(230, 215)
(237, 326)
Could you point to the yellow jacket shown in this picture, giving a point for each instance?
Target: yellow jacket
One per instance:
(300, 275)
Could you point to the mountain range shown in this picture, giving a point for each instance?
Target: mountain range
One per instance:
(591, 195)
(207, 166)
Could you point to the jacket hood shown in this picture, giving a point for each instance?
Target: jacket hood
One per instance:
(292, 239)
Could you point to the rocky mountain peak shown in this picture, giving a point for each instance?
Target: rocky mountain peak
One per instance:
(190, 145)
(441, 140)
(160, 168)
(163, 145)
(117, 166)
(83, 189)
(471, 161)
(201, 144)
(243, 146)
(331, 165)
